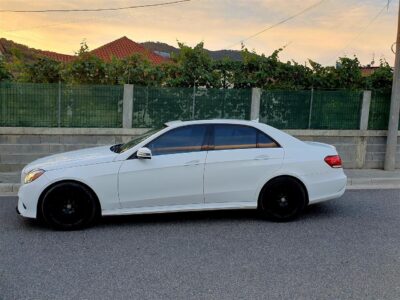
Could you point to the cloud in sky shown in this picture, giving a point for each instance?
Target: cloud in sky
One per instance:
(330, 30)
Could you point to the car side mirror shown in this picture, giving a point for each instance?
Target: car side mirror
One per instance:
(143, 153)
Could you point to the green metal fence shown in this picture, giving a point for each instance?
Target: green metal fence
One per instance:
(61, 105)
(153, 106)
(311, 109)
(379, 110)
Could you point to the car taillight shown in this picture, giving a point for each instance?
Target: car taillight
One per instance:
(334, 161)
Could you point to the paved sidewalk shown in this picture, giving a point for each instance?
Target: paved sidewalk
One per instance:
(372, 179)
(357, 179)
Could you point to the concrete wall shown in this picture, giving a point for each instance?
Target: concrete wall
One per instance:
(19, 146)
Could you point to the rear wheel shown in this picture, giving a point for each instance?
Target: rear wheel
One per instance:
(282, 199)
(69, 206)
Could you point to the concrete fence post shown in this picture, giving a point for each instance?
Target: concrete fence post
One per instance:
(255, 103)
(366, 104)
(194, 101)
(59, 105)
(127, 106)
(311, 108)
(361, 149)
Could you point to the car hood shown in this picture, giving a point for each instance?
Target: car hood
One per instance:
(75, 158)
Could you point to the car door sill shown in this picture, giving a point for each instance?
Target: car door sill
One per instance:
(179, 208)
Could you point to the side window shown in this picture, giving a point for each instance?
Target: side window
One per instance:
(264, 141)
(234, 137)
(179, 140)
(240, 137)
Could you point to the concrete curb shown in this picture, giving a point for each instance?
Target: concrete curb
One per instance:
(9, 189)
(373, 187)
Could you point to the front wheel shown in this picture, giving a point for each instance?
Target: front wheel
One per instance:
(282, 199)
(69, 206)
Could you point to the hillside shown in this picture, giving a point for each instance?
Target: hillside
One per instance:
(219, 54)
(11, 49)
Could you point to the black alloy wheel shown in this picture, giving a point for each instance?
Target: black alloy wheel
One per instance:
(283, 199)
(69, 206)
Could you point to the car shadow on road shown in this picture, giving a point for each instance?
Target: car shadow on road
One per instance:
(318, 211)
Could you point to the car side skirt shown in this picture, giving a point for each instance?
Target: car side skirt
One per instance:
(180, 208)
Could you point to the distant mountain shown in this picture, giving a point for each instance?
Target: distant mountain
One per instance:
(159, 47)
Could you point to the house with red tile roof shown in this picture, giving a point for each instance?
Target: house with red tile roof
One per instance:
(124, 47)
(120, 48)
(368, 71)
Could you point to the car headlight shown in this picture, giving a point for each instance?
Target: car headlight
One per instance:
(33, 175)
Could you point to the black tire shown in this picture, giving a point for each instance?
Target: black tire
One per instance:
(282, 199)
(69, 206)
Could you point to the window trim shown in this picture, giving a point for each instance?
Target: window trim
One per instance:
(211, 144)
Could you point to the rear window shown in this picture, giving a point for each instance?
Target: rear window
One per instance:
(240, 137)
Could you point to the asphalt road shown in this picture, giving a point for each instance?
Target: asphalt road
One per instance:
(343, 249)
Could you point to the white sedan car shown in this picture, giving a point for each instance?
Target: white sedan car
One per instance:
(186, 166)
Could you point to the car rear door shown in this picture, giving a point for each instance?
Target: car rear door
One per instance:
(239, 160)
(174, 174)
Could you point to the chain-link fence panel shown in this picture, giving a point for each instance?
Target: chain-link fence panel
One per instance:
(153, 106)
(222, 104)
(379, 110)
(91, 106)
(311, 109)
(28, 105)
(285, 109)
(336, 110)
(59, 105)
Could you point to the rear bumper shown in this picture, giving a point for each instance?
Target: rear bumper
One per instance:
(328, 186)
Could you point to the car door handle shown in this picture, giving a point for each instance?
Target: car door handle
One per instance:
(262, 157)
(192, 163)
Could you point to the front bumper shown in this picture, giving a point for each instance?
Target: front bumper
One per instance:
(28, 197)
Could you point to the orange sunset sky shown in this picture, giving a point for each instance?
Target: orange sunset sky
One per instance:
(333, 28)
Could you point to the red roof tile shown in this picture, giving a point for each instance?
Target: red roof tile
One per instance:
(121, 48)
(124, 47)
(58, 56)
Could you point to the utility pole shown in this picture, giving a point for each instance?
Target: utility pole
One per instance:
(390, 157)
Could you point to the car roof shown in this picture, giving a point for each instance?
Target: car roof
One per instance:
(178, 123)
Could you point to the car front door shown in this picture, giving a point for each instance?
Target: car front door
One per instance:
(173, 175)
(239, 160)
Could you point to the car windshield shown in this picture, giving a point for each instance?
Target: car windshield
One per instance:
(123, 147)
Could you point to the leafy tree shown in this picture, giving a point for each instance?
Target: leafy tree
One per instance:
(322, 77)
(382, 78)
(44, 70)
(85, 69)
(193, 67)
(224, 72)
(348, 73)
(138, 70)
(4, 74)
